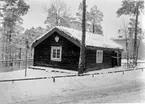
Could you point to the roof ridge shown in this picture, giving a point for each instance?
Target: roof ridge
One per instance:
(78, 30)
(93, 40)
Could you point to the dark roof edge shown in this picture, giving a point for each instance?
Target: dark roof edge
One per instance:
(104, 48)
(49, 33)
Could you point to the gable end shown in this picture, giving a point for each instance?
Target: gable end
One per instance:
(75, 41)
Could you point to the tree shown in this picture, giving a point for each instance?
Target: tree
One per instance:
(32, 34)
(132, 26)
(57, 14)
(93, 16)
(96, 16)
(82, 63)
(139, 33)
(25, 42)
(29, 36)
(80, 12)
(124, 30)
(11, 13)
(132, 8)
(128, 31)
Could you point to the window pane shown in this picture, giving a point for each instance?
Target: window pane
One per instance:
(54, 53)
(58, 53)
(99, 58)
(99, 54)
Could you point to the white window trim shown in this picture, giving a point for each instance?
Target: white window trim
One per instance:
(117, 57)
(57, 48)
(99, 56)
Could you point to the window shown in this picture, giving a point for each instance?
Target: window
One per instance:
(56, 53)
(99, 56)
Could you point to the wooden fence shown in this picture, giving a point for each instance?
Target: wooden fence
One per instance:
(73, 75)
(12, 65)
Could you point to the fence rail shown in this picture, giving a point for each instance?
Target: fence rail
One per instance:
(73, 75)
(12, 65)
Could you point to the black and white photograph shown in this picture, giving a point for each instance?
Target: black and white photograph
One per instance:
(72, 51)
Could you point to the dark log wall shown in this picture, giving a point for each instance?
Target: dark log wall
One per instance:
(70, 53)
(107, 60)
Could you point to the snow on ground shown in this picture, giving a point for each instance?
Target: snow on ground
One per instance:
(51, 72)
(124, 61)
(105, 88)
(50, 69)
(30, 74)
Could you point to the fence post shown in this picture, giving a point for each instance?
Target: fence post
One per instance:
(53, 79)
(123, 72)
(27, 46)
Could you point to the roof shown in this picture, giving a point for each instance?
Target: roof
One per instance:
(93, 40)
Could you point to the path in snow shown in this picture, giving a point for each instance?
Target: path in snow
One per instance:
(117, 87)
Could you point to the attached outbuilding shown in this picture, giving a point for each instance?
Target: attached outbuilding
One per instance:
(60, 48)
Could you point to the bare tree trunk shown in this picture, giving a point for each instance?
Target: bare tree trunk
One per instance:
(7, 51)
(82, 66)
(127, 53)
(56, 19)
(20, 51)
(4, 50)
(3, 45)
(135, 37)
(137, 49)
(10, 49)
(12, 59)
(26, 58)
(93, 28)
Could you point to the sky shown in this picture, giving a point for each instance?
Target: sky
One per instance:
(111, 23)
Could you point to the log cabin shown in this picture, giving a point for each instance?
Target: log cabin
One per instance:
(60, 48)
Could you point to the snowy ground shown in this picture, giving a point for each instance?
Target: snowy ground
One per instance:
(30, 74)
(102, 88)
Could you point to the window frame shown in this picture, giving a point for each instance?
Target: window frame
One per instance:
(56, 58)
(99, 56)
(117, 56)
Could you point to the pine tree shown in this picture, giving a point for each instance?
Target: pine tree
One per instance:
(132, 8)
(94, 17)
(11, 13)
(82, 62)
(57, 14)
